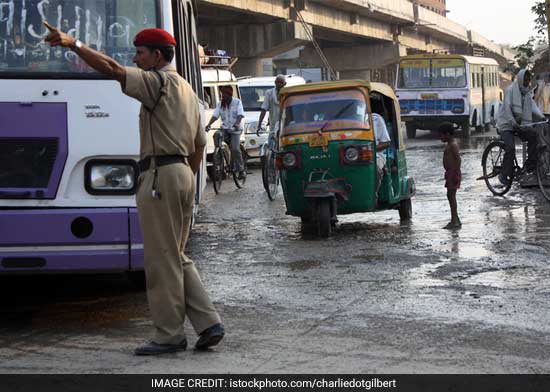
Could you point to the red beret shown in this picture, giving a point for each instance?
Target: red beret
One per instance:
(154, 37)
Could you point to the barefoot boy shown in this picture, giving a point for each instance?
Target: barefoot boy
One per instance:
(453, 175)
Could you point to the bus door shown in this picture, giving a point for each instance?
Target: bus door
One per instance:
(483, 101)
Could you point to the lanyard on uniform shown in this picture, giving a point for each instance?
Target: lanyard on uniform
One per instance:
(162, 91)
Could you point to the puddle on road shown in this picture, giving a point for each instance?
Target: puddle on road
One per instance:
(303, 265)
(422, 276)
(512, 279)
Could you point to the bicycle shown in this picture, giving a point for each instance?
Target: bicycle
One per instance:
(270, 173)
(493, 158)
(223, 164)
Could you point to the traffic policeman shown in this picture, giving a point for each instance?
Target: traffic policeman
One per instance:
(171, 148)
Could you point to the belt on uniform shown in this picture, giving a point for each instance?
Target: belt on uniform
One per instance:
(160, 160)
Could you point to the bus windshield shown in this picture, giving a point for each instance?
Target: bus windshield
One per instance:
(434, 73)
(108, 26)
(253, 97)
(338, 110)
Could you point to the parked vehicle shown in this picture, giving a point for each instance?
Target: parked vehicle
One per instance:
(327, 153)
(433, 88)
(69, 138)
(252, 92)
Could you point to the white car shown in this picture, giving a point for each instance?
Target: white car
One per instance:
(252, 94)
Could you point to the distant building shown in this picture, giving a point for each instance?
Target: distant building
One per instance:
(438, 6)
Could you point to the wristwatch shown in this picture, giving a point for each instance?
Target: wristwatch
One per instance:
(78, 44)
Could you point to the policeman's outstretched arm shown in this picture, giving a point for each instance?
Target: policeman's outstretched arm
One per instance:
(97, 60)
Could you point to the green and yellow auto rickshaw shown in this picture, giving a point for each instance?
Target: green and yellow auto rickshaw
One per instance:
(328, 152)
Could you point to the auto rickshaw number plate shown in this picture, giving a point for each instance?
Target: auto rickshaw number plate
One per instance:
(318, 141)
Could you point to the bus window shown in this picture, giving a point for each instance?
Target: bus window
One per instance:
(103, 25)
(448, 73)
(436, 73)
(414, 74)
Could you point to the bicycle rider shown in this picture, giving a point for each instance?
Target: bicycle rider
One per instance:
(271, 104)
(518, 108)
(231, 111)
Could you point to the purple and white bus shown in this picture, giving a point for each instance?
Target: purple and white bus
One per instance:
(69, 139)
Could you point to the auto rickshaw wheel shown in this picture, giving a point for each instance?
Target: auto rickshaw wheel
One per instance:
(405, 209)
(324, 218)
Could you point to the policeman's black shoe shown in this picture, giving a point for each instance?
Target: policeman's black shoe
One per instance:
(242, 175)
(153, 348)
(210, 337)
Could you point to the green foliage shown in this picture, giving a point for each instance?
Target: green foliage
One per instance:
(539, 9)
(525, 53)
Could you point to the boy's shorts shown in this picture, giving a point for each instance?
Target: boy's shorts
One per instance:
(453, 179)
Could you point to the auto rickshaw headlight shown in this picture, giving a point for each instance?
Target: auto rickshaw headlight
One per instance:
(351, 154)
(289, 160)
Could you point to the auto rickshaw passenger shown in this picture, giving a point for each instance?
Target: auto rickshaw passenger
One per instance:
(382, 143)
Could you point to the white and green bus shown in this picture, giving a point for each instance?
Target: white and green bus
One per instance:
(433, 88)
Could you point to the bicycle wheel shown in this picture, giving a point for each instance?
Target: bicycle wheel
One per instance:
(272, 176)
(492, 160)
(218, 170)
(543, 172)
(239, 182)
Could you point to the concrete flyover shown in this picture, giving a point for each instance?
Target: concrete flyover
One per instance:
(360, 38)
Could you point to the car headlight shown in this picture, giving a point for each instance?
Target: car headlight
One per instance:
(111, 177)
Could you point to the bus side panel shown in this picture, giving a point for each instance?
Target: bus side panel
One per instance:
(136, 241)
(64, 240)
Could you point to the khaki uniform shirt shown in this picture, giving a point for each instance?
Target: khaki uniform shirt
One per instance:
(176, 122)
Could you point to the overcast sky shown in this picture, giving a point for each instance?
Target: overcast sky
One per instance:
(502, 21)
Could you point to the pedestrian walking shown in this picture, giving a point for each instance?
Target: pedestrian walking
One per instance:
(453, 175)
(171, 149)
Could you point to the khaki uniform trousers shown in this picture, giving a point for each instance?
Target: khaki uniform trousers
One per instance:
(174, 288)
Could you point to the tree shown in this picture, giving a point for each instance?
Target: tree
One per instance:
(539, 9)
(525, 53)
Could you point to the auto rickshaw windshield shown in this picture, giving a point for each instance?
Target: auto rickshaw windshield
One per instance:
(344, 109)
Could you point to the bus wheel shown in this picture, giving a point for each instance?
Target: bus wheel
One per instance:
(411, 130)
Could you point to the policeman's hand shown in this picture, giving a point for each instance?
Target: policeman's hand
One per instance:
(58, 38)
(516, 127)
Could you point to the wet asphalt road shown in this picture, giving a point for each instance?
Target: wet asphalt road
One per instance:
(379, 296)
